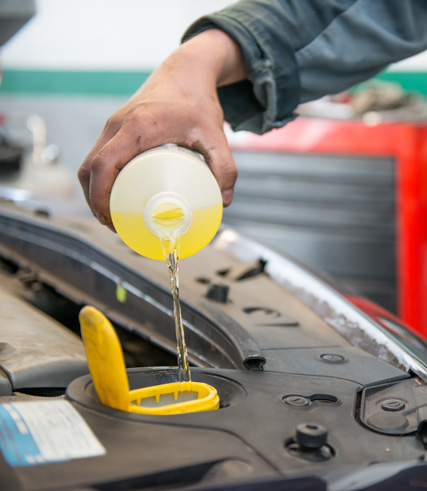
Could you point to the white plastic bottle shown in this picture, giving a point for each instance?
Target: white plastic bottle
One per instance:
(166, 192)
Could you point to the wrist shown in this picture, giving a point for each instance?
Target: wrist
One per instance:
(217, 56)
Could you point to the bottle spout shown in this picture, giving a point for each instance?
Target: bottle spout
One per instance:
(167, 215)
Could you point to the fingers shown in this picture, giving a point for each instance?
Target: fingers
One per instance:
(100, 170)
(84, 172)
(121, 140)
(218, 156)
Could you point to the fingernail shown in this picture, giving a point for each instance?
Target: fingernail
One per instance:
(227, 196)
(101, 219)
(111, 227)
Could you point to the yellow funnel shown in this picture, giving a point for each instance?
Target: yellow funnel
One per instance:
(107, 367)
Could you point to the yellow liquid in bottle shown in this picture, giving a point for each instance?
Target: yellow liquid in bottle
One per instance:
(132, 230)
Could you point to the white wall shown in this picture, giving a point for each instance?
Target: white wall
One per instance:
(113, 34)
(103, 34)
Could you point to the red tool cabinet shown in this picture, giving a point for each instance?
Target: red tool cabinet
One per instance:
(406, 144)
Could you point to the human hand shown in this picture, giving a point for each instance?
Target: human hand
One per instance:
(178, 104)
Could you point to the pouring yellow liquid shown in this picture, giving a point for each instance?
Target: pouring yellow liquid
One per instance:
(166, 204)
(171, 247)
(167, 220)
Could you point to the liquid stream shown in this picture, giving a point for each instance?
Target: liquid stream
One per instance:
(170, 247)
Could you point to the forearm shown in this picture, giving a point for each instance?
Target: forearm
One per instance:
(215, 56)
(300, 50)
(199, 66)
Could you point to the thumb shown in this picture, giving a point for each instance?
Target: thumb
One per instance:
(218, 157)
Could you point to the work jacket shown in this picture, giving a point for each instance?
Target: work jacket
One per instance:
(300, 50)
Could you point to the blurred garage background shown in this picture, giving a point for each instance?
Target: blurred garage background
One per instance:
(341, 189)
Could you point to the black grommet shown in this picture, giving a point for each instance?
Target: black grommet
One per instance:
(332, 358)
(297, 401)
(311, 436)
(393, 405)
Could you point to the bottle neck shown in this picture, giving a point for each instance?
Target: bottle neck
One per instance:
(167, 215)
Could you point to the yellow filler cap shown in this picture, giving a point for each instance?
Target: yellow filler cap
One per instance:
(107, 367)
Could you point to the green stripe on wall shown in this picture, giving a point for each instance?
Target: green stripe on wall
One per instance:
(126, 82)
(410, 81)
(71, 82)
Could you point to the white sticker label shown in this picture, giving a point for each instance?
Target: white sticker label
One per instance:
(40, 432)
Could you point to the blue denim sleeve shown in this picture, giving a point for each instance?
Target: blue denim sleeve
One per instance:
(300, 50)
